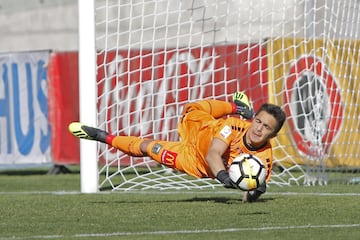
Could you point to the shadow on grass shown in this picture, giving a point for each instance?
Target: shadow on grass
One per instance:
(222, 200)
(51, 170)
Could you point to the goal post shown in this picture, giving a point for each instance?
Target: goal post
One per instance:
(155, 56)
(89, 180)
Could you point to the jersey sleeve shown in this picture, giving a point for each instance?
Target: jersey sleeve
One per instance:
(215, 108)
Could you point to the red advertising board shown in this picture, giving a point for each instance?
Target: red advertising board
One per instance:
(63, 106)
(185, 74)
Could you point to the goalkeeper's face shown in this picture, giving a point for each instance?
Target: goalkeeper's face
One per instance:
(262, 128)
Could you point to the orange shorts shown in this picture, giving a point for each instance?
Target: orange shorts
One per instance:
(185, 155)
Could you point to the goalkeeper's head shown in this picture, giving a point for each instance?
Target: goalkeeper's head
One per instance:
(276, 112)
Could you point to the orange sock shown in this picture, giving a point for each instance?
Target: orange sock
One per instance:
(128, 144)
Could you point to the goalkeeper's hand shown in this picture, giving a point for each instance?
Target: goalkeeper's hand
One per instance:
(242, 105)
(252, 196)
(224, 177)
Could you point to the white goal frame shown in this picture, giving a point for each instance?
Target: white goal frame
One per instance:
(87, 79)
(318, 28)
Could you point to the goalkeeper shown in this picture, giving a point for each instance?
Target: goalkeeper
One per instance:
(209, 140)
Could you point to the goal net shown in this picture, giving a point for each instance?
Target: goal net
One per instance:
(155, 56)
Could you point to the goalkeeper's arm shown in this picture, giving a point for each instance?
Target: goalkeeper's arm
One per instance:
(217, 108)
(213, 157)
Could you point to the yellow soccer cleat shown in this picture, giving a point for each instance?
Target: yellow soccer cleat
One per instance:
(77, 130)
(80, 130)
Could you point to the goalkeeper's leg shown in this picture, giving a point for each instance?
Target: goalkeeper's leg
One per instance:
(128, 144)
(171, 154)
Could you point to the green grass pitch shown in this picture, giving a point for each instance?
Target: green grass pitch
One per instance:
(34, 205)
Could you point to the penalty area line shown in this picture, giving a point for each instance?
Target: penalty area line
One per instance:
(199, 231)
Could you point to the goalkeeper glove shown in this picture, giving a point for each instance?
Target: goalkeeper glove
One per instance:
(224, 177)
(252, 196)
(241, 105)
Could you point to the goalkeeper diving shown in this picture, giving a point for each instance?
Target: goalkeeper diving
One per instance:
(210, 139)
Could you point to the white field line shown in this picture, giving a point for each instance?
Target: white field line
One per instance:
(160, 192)
(200, 231)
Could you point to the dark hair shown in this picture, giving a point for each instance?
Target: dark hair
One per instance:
(276, 112)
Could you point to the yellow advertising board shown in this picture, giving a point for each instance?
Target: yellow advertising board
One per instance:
(316, 81)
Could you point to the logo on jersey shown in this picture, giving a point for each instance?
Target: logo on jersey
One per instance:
(156, 148)
(168, 158)
(225, 131)
(313, 103)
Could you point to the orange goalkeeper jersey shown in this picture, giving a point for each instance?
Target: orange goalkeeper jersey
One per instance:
(201, 122)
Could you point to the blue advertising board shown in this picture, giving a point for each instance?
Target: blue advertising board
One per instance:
(24, 124)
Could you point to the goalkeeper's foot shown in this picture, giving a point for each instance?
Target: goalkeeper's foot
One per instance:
(80, 130)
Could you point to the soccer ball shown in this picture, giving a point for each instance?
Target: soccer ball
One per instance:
(247, 171)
